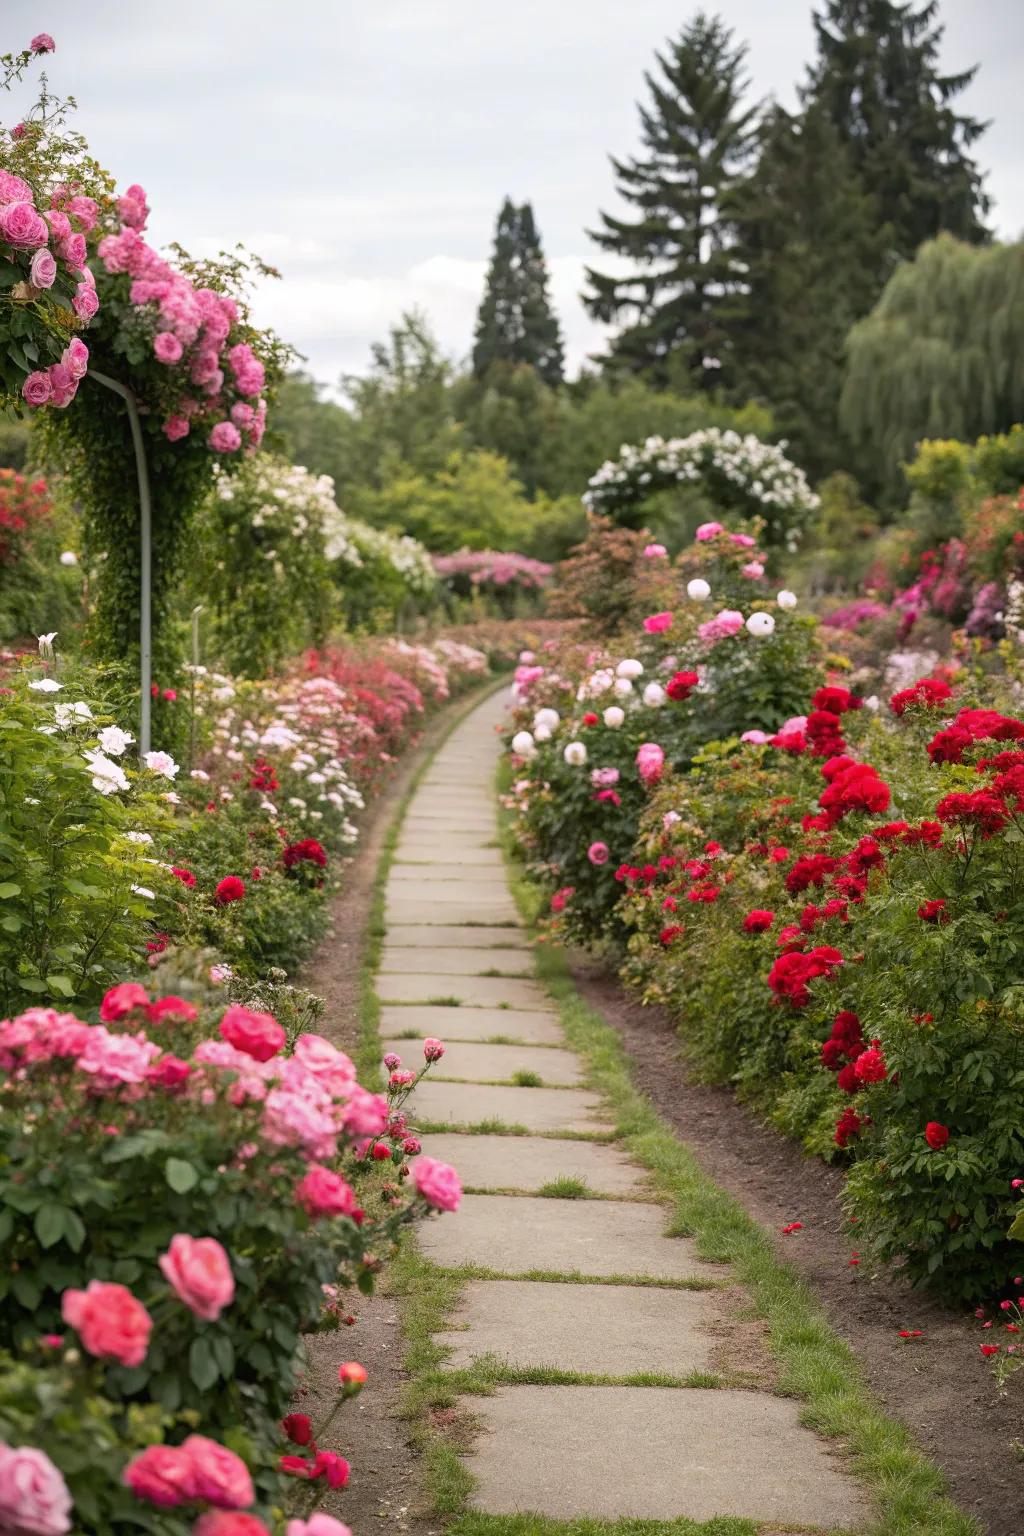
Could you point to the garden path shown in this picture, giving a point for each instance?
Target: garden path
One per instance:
(599, 1328)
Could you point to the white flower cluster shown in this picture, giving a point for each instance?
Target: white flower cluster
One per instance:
(776, 487)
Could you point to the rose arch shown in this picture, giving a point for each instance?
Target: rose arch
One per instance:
(741, 474)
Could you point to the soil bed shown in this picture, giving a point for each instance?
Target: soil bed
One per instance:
(937, 1385)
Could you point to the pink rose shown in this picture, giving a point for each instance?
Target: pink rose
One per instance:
(37, 389)
(257, 1034)
(76, 358)
(225, 438)
(110, 1322)
(753, 570)
(42, 43)
(657, 623)
(21, 225)
(198, 1270)
(597, 853)
(43, 270)
(175, 428)
(757, 737)
(743, 540)
(34, 1498)
(324, 1193)
(650, 760)
(204, 366)
(86, 211)
(121, 1000)
(72, 250)
(218, 1475)
(437, 1183)
(655, 552)
(161, 1474)
(242, 415)
(132, 209)
(366, 1114)
(727, 622)
(317, 1525)
(219, 1522)
(60, 224)
(708, 531)
(167, 347)
(604, 778)
(13, 189)
(85, 302)
(433, 1049)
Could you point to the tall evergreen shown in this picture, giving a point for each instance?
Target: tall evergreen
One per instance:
(877, 77)
(515, 322)
(698, 138)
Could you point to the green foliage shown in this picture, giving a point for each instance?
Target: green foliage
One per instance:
(516, 323)
(938, 357)
(39, 591)
(471, 502)
(698, 141)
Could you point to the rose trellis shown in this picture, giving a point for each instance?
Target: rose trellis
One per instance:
(741, 473)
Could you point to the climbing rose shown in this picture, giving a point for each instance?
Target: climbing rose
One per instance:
(110, 1322)
(257, 1034)
(936, 1135)
(437, 1183)
(225, 437)
(597, 853)
(198, 1270)
(167, 348)
(230, 889)
(34, 1498)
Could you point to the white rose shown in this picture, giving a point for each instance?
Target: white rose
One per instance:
(623, 687)
(613, 717)
(522, 744)
(548, 718)
(760, 625)
(114, 741)
(786, 599)
(629, 668)
(575, 754)
(69, 557)
(541, 733)
(654, 695)
(698, 589)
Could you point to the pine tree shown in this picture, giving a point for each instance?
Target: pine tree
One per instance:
(515, 322)
(809, 239)
(699, 140)
(877, 78)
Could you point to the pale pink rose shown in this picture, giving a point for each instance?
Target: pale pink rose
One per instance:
(757, 737)
(743, 540)
(366, 1114)
(657, 623)
(324, 1060)
(175, 428)
(753, 570)
(42, 43)
(709, 531)
(290, 1120)
(655, 552)
(72, 249)
(317, 1525)
(132, 209)
(22, 225)
(34, 1498)
(433, 1049)
(43, 270)
(198, 1270)
(13, 189)
(86, 211)
(650, 760)
(114, 1061)
(257, 1034)
(167, 348)
(76, 358)
(161, 1474)
(794, 723)
(727, 622)
(604, 778)
(597, 853)
(85, 302)
(438, 1183)
(110, 1322)
(242, 415)
(323, 1193)
(218, 1475)
(225, 437)
(37, 389)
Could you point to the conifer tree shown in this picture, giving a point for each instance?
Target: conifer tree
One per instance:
(515, 322)
(698, 138)
(877, 77)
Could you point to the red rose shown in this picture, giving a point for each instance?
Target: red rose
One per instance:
(298, 1427)
(758, 921)
(847, 1126)
(257, 1034)
(681, 685)
(590, 718)
(870, 1064)
(230, 889)
(668, 934)
(184, 875)
(936, 1135)
(933, 911)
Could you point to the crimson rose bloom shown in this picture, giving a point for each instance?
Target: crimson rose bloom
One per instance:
(308, 851)
(929, 691)
(933, 911)
(298, 1427)
(668, 934)
(982, 809)
(758, 921)
(837, 700)
(184, 875)
(870, 1064)
(847, 1126)
(681, 685)
(230, 889)
(936, 1135)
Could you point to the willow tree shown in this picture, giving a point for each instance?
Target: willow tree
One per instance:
(941, 355)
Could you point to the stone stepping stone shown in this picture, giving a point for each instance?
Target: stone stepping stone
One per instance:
(455, 962)
(483, 1024)
(598, 1330)
(429, 909)
(527, 1163)
(537, 1109)
(516, 1234)
(497, 1063)
(471, 991)
(659, 1453)
(448, 873)
(463, 851)
(457, 937)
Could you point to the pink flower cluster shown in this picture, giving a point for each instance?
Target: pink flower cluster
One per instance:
(728, 622)
(199, 1468)
(494, 568)
(221, 385)
(34, 1498)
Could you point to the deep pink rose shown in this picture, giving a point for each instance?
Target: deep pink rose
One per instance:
(650, 760)
(225, 437)
(161, 1474)
(37, 389)
(85, 303)
(433, 1049)
(366, 1114)
(175, 428)
(221, 1522)
(110, 1322)
(218, 1475)
(708, 531)
(13, 189)
(438, 1183)
(34, 1498)
(120, 1001)
(22, 225)
(42, 43)
(43, 271)
(322, 1192)
(198, 1269)
(257, 1034)
(657, 623)
(167, 347)
(317, 1525)
(597, 853)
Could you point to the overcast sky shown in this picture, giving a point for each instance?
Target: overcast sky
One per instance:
(363, 146)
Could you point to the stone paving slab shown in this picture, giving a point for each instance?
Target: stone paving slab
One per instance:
(656, 1454)
(516, 1234)
(430, 909)
(598, 1330)
(455, 962)
(527, 1163)
(467, 852)
(483, 1024)
(449, 872)
(403, 936)
(471, 991)
(497, 1063)
(538, 1109)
